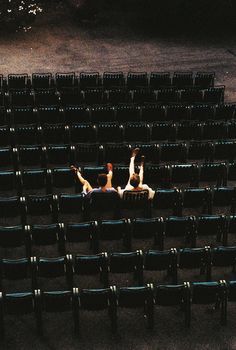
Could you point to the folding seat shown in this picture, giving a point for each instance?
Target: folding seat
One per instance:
(102, 113)
(42, 235)
(3, 99)
(210, 225)
(143, 95)
(209, 293)
(65, 80)
(182, 227)
(3, 115)
(9, 183)
(118, 230)
(99, 299)
(174, 295)
(42, 80)
(135, 204)
(14, 272)
(13, 238)
(176, 152)
(213, 172)
(76, 114)
(231, 173)
(138, 297)
(113, 79)
(201, 150)
(144, 229)
(24, 115)
(90, 173)
(2, 82)
(50, 273)
(126, 263)
(120, 176)
(204, 79)
(59, 155)
(71, 96)
(161, 131)
(192, 95)
(182, 79)
(6, 136)
(167, 95)
(88, 153)
(31, 156)
(195, 259)
(116, 153)
(46, 97)
(128, 113)
(231, 126)
(177, 112)
(225, 111)
(166, 201)
(89, 80)
(27, 135)
(11, 210)
(196, 199)
(230, 231)
(41, 209)
(202, 112)
(214, 130)
(18, 81)
(21, 98)
(70, 207)
(222, 258)
(8, 158)
(93, 96)
(160, 80)
(184, 173)
(225, 150)
(224, 200)
(158, 175)
(35, 181)
(149, 150)
(136, 132)
(63, 180)
(137, 79)
(214, 94)
(78, 235)
(50, 115)
(109, 132)
(103, 206)
(17, 304)
(189, 130)
(89, 266)
(152, 112)
(116, 95)
(158, 261)
(55, 133)
(57, 302)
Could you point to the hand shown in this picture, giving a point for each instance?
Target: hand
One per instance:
(73, 168)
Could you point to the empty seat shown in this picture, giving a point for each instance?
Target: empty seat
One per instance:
(153, 112)
(8, 158)
(31, 156)
(89, 79)
(225, 150)
(102, 113)
(76, 234)
(162, 131)
(41, 209)
(50, 115)
(137, 132)
(70, 207)
(11, 210)
(214, 95)
(9, 183)
(167, 95)
(189, 131)
(65, 80)
(82, 132)
(177, 112)
(63, 180)
(116, 153)
(116, 95)
(204, 79)
(138, 297)
(225, 111)
(166, 199)
(22, 97)
(127, 113)
(146, 229)
(55, 133)
(59, 155)
(182, 79)
(35, 181)
(223, 257)
(202, 112)
(160, 80)
(143, 95)
(184, 173)
(70, 96)
(158, 175)
(46, 97)
(210, 225)
(224, 197)
(76, 114)
(109, 132)
(48, 235)
(102, 206)
(12, 237)
(24, 115)
(214, 130)
(88, 153)
(93, 96)
(198, 199)
(111, 79)
(18, 81)
(41, 80)
(173, 152)
(200, 150)
(27, 135)
(181, 227)
(192, 95)
(6, 136)
(213, 172)
(136, 79)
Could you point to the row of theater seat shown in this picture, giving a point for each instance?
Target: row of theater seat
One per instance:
(97, 96)
(148, 298)
(95, 156)
(144, 266)
(160, 232)
(116, 132)
(121, 113)
(109, 79)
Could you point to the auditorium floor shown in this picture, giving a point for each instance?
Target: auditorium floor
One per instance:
(58, 43)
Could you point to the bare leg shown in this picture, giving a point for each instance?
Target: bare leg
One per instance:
(109, 179)
(86, 185)
(131, 168)
(141, 171)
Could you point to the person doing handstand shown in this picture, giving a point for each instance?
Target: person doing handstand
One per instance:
(135, 182)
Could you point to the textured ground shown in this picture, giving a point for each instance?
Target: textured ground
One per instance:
(58, 43)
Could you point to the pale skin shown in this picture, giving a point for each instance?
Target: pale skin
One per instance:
(132, 172)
